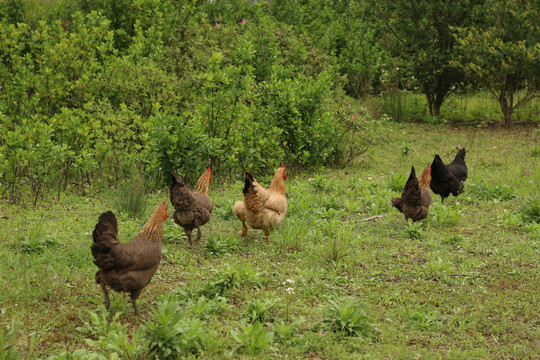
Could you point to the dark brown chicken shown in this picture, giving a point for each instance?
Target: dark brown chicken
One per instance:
(192, 209)
(415, 198)
(448, 179)
(127, 267)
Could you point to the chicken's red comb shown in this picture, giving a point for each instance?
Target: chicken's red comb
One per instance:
(283, 165)
(210, 180)
(165, 202)
(209, 169)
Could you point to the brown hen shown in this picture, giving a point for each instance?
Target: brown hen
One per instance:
(127, 267)
(262, 209)
(415, 198)
(191, 209)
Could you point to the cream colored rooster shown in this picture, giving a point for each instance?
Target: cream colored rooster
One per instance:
(263, 209)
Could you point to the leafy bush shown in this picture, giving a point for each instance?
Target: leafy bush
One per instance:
(444, 215)
(203, 307)
(397, 182)
(221, 282)
(486, 191)
(258, 310)
(253, 338)
(413, 230)
(218, 245)
(347, 317)
(97, 92)
(530, 211)
(171, 334)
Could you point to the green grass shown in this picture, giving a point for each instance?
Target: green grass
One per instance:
(463, 283)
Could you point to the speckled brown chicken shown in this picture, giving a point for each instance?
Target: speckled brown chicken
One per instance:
(415, 198)
(192, 209)
(127, 267)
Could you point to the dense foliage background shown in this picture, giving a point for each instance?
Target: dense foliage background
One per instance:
(98, 89)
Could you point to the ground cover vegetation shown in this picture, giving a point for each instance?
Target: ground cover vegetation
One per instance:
(461, 283)
(100, 100)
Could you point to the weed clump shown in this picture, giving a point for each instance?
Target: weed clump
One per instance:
(530, 211)
(130, 197)
(347, 317)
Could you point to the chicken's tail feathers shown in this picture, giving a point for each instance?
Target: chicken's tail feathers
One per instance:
(203, 183)
(105, 237)
(248, 182)
(106, 225)
(461, 154)
(176, 188)
(412, 175)
(397, 203)
(176, 178)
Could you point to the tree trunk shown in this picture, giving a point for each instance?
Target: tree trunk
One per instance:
(508, 116)
(430, 104)
(507, 109)
(436, 109)
(434, 103)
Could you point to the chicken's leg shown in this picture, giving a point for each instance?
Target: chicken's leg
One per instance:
(104, 289)
(134, 296)
(244, 228)
(199, 234)
(267, 233)
(188, 234)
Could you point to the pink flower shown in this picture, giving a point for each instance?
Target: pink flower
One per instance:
(243, 21)
(216, 26)
(354, 116)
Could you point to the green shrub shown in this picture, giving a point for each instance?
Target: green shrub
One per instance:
(219, 245)
(530, 211)
(253, 338)
(486, 191)
(291, 235)
(347, 317)
(171, 334)
(176, 144)
(130, 197)
(221, 282)
(258, 310)
(397, 182)
(413, 230)
(419, 317)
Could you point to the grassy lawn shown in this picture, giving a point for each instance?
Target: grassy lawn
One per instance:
(463, 283)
